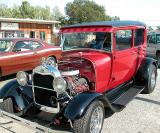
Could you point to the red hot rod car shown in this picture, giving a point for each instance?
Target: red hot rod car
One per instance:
(104, 66)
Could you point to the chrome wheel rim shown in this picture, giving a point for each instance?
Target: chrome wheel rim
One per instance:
(153, 79)
(96, 120)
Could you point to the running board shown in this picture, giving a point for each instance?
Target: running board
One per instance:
(126, 97)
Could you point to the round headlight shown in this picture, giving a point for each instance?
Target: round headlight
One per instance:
(59, 85)
(22, 78)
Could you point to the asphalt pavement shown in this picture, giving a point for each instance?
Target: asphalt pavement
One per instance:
(142, 115)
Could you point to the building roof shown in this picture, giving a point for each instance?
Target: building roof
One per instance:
(28, 21)
(109, 23)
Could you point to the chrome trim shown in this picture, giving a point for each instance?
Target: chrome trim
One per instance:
(49, 109)
(47, 70)
(43, 88)
(56, 73)
(43, 107)
(1, 100)
(70, 73)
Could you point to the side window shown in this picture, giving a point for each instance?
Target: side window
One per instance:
(22, 46)
(152, 39)
(36, 45)
(138, 37)
(123, 39)
(158, 38)
(107, 42)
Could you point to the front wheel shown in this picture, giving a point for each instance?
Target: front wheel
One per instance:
(151, 81)
(92, 121)
(10, 107)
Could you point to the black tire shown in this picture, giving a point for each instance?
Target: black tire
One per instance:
(9, 107)
(83, 124)
(151, 82)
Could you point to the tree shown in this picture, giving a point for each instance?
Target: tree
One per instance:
(56, 13)
(80, 11)
(26, 10)
(5, 11)
(158, 28)
(149, 28)
(16, 12)
(115, 18)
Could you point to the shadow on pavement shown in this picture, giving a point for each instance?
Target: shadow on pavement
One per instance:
(45, 119)
(148, 100)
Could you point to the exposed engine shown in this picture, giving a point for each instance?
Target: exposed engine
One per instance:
(76, 85)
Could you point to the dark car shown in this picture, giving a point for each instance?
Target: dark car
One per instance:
(23, 54)
(153, 46)
(104, 66)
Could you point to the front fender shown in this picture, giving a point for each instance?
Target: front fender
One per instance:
(79, 104)
(22, 96)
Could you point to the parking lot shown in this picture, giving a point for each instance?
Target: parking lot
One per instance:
(142, 115)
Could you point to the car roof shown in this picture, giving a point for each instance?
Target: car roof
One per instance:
(108, 23)
(154, 32)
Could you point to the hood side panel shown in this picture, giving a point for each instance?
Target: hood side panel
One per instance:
(97, 67)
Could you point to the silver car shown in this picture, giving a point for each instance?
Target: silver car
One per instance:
(153, 46)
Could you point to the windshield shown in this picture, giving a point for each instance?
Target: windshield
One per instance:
(93, 40)
(5, 45)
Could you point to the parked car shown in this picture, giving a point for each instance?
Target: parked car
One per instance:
(153, 46)
(23, 54)
(104, 66)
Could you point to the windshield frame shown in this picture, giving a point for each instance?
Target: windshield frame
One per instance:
(87, 48)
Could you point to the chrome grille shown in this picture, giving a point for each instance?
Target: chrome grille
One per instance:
(45, 97)
(43, 90)
(45, 81)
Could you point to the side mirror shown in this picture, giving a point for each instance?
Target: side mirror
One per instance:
(16, 50)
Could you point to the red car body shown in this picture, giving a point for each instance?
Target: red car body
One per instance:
(103, 67)
(13, 61)
(109, 70)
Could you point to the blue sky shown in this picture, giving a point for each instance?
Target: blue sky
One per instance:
(143, 10)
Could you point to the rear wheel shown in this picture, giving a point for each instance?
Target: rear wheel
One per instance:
(92, 121)
(151, 82)
(10, 107)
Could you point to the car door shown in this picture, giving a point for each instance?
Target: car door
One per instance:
(37, 48)
(125, 57)
(21, 58)
(151, 45)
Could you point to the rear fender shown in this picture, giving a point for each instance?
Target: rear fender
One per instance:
(22, 96)
(143, 72)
